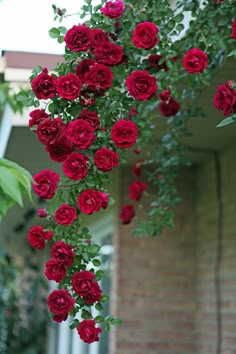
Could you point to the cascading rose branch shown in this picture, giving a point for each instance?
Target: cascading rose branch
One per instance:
(87, 150)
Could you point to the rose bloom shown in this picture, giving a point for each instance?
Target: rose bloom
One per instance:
(82, 282)
(59, 150)
(65, 215)
(45, 183)
(55, 271)
(104, 199)
(90, 117)
(169, 108)
(225, 99)
(136, 190)
(113, 9)
(76, 166)
(60, 302)
(108, 53)
(37, 116)
(141, 85)
(79, 38)
(80, 133)
(105, 159)
(49, 131)
(144, 35)
(127, 213)
(87, 99)
(42, 213)
(195, 61)
(94, 294)
(233, 35)
(44, 85)
(90, 201)
(154, 60)
(133, 112)
(124, 133)
(99, 37)
(137, 168)
(84, 67)
(62, 253)
(37, 237)
(69, 86)
(99, 77)
(165, 95)
(88, 332)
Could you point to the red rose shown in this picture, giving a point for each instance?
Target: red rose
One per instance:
(37, 116)
(44, 85)
(133, 112)
(108, 53)
(105, 159)
(87, 99)
(99, 37)
(42, 213)
(91, 117)
(104, 199)
(137, 168)
(233, 35)
(65, 215)
(84, 67)
(144, 35)
(94, 294)
(124, 133)
(49, 131)
(76, 166)
(59, 150)
(169, 108)
(80, 133)
(195, 61)
(225, 99)
(141, 85)
(82, 282)
(37, 237)
(60, 302)
(60, 318)
(79, 38)
(136, 190)
(154, 59)
(99, 77)
(45, 183)
(113, 9)
(55, 271)
(165, 95)
(127, 213)
(88, 332)
(90, 201)
(69, 86)
(62, 253)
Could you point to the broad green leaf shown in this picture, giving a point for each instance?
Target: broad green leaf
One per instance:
(10, 185)
(227, 121)
(54, 32)
(5, 203)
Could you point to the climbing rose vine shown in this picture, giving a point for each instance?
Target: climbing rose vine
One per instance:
(120, 76)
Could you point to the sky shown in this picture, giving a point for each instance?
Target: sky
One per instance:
(24, 24)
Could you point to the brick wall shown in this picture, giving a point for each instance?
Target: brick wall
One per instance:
(165, 288)
(155, 285)
(206, 235)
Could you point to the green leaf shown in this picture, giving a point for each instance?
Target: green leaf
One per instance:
(74, 324)
(94, 249)
(116, 321)
(10, 185)
(96, 262)
(99, 319)
(99, 274)
(227, 121)
(5, 203)
(54, 32)
(105, 298)
(232, 53)
(86, 315)
(99, 306)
